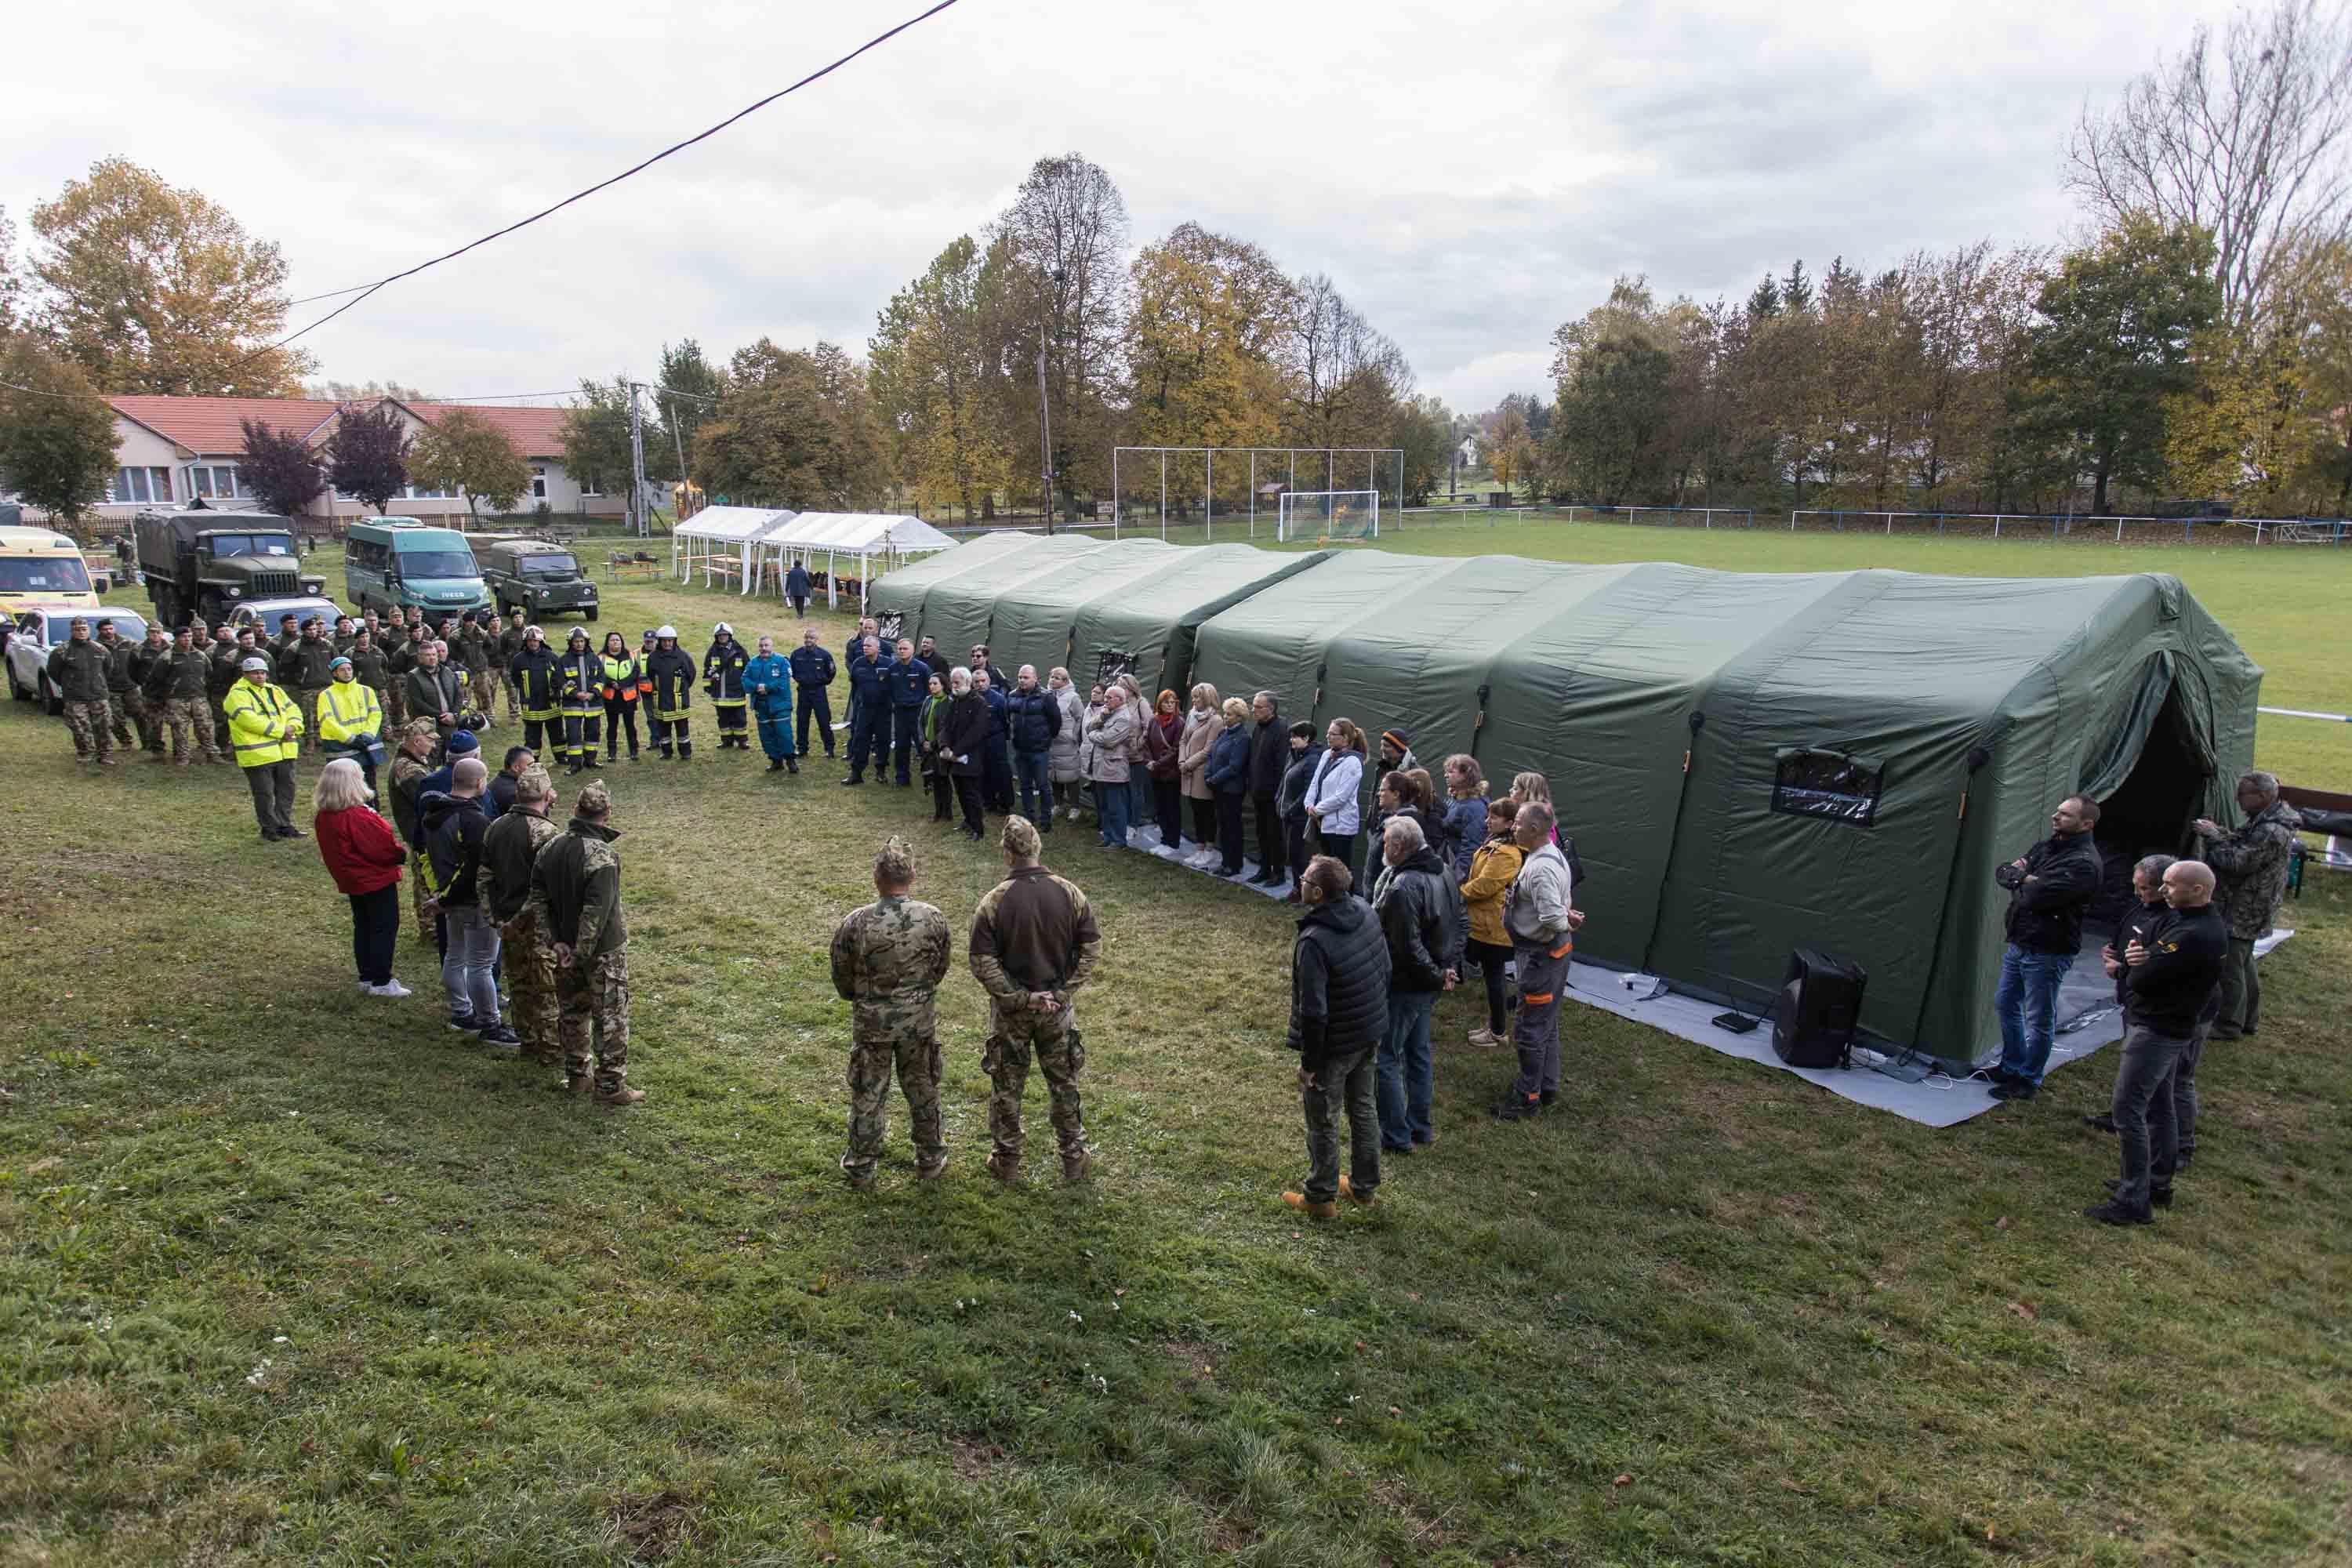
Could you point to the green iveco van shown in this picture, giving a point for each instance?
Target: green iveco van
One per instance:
(391, 562)
(537, 580)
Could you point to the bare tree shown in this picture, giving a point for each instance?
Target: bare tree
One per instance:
(1346, 375)
(2245, 138)
(1069, 227)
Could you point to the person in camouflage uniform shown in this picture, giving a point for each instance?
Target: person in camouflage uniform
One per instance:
(176, 695)
(142, 660)
(78, 669)
(509, 644)
(2252, 866)
(888, 958)
(399, 658)
(410, 765)
(575, 903)
(1033, 942)
(221, 660)
(509, 850)
(477, 653)
(117, 684)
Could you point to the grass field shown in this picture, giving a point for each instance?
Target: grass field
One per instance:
(289, 1279)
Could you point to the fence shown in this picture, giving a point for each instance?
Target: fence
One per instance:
(2061, 528)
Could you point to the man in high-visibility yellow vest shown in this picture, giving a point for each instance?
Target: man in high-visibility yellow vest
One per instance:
(351, 719)
(266, 728)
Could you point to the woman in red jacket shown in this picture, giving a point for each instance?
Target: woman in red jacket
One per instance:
(365, 856)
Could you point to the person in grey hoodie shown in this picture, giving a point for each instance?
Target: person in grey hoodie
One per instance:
(1539, 915)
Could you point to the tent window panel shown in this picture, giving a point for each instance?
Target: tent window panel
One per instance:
(1836, 785)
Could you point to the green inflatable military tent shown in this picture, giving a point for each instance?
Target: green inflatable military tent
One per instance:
(1749, 762)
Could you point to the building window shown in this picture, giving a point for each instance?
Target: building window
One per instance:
(213, 482)
(538, 481)
(134, 485)
(430, 492)
(592, 486)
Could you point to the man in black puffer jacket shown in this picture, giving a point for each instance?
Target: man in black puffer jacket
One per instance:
(2049, 886)
(1339, 1011)
(1421, 918)
(1035, 719)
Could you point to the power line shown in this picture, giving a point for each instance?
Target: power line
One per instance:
(366, 291)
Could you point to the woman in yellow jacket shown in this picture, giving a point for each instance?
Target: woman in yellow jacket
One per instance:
(351, 719)
(265, 726)
(1493, 869)
(624, 682)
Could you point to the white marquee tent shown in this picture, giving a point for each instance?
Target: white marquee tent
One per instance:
(861, 543)
(721, 542)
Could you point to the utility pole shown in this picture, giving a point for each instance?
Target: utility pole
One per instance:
(1044, 436)
(638, 464)
(1044, 412)
(677, 437)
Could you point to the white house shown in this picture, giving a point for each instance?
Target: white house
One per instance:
(169, 450)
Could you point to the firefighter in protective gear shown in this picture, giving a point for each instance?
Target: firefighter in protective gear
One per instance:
(722, 678)
(623, 684)
(351, 718)
(669, 687)
(579, 681)
(265, 727)
(534, 671)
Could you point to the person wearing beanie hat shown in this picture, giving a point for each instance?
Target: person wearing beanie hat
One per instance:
(266, 729)
(351, 719)
(575, 905)
(1033, 942)
(78, 668)
(888, 958)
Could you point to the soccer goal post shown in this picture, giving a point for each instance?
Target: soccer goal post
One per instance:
(1329, 514)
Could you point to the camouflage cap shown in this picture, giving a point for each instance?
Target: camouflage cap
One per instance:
(595, 800)
(1020, 838)
(418, 728)
(533, 783)
(896, 863)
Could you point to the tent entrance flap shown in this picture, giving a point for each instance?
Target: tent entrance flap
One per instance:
(2148, 811)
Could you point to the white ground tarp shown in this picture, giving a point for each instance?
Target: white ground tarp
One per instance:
(863, 544)
(721, 541)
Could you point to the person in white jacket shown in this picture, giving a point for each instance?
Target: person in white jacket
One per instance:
(1335, 795)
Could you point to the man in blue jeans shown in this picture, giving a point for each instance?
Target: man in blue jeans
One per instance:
(1420, 911)
(1036, 720)
(2049, 886)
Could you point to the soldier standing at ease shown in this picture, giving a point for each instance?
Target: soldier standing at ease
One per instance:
(78, 669)
(399, 658)
(142, 660)
(308, 668)
(510, 644)
(576, 904)
(177, 697)
(509, 848)
(1033, 942)
(888, 958)
(118, 683)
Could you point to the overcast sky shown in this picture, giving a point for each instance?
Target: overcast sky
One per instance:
(1471, 172)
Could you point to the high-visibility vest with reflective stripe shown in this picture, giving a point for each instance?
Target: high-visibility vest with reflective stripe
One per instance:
(264, 724)
(348, 710)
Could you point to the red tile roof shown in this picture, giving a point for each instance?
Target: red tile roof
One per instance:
(536, 432)
(210, 426)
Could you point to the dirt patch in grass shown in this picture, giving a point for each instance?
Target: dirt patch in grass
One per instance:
(973, 1457)
(659, 1527)
(1198, 1360)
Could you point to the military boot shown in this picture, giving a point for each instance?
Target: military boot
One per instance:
(620, 1094)
(1313, 1210)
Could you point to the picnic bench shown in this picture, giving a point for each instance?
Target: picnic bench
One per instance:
(632, 563)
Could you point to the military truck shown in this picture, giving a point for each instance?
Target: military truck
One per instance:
(201, 563)
(536, 579)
